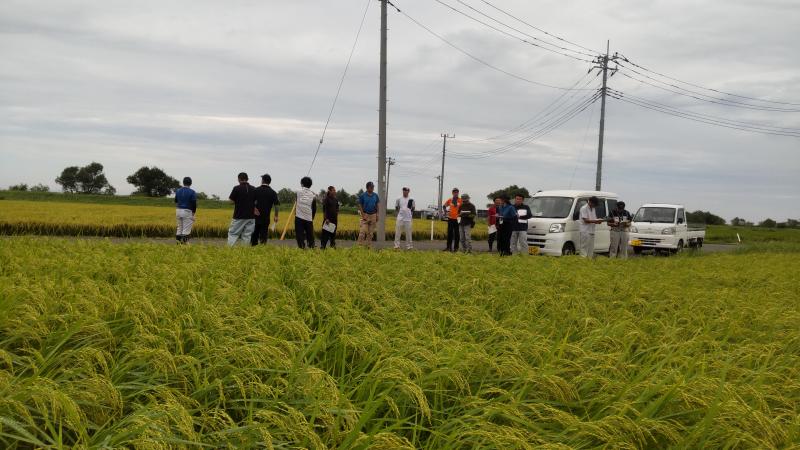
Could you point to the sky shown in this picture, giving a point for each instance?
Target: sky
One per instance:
(208, 89)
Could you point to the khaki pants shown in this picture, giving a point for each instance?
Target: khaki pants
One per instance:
(368, 224)
(185, 218)
(241, 230)
(619, 245)
(519, 242)
(400, 227)
(465, 234)
(587, 245)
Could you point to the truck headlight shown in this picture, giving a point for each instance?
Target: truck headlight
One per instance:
(670, 230)
(634, 229)
(557, 228)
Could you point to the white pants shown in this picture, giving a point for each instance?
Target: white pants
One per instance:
(619, 245)
(185, 218)
(400, 227)
(241, 230)
(519, 242)
(465, 233)
(587, 245)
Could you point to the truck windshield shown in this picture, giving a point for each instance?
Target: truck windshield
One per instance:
(550, 207)
(655, 215)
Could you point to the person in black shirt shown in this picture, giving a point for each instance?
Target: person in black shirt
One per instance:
(244, 212)
(619, 221)
(266, 199)
(330, 212)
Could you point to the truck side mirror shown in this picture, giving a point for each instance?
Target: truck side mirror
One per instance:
(680, 220)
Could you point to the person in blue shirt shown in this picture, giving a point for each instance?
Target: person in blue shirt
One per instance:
(506, 219)
(368, 204)
(186, 207)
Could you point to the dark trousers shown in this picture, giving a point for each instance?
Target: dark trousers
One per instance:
(260, 233)
(452, 235)
(327, 236)
(492, 238)
(304, 232)
(504, 238)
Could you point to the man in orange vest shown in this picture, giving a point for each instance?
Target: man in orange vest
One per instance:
(453, 208)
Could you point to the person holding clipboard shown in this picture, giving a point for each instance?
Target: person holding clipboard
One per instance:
(619, 220)
(405, 215)
(519, 237)
(506, 217)
(330, 213)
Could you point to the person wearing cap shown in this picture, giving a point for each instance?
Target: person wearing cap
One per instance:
(368, 204)
(186, 207)
(619, 220)
(467, 214)
(519, 236)
(452, 206)
(330, 212)
(588, 220)
(405, 215)
(305, 210)
(243, 197)
(266, 199)
(491, 221)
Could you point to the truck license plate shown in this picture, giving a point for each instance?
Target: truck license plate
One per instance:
(533, 250)
(636, 243)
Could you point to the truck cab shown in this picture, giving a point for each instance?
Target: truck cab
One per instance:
(663, 227)
(554, 226)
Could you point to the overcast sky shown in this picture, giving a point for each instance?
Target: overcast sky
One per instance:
(209, 89)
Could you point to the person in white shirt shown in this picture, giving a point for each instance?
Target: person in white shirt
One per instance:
(405, 214)
(588, 220)
(304, 216)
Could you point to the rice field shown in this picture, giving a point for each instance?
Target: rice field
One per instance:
(147, 346)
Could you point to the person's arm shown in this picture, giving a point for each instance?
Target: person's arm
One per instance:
(193, 203)
(397, 206)
(360, 205)
(232, 197)
(413, 205)
(313, 208)
(275, 204)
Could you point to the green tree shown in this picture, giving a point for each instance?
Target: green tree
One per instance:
(202, 196)
(704, 217)
(510, 191)
(88, 179)
(69, 179)
(767, 223)
(18, 187)
(153, 182)
(738, 222)
(40, 188)
(286, 196)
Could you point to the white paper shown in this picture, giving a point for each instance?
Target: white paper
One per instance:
(273, 226)
(330, 227)
(522, 212)
(492, 229)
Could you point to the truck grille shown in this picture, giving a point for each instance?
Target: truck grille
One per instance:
(650, 241)
(536, 242)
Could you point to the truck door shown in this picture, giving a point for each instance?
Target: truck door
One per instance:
(681, 227)
(602, 234)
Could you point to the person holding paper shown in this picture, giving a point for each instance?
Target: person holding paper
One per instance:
(619, 220)
(330, 211)
(588, 220)
(506, 217)
(491, 213)
(452, 206)
(266, 199)
(305, 211)
(368, 204)
(467, 215)
(519, 237)
(405, 214)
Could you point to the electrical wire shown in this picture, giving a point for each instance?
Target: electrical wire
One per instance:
(339, 88)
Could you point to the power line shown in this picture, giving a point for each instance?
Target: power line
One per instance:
(339, 88)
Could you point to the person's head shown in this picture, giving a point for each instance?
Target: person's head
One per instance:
(455, 192)
(187, 181)
(242, 177)
(406, 191)
(331, 191)
(506, 199)
(266, 179)
(498, 201)
(518, 199)
(305, 182)
(593, 201)
(620, 205)
(465, 198)
(370, 186)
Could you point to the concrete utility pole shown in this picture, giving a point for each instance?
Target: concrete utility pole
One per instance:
(603, 65)
(381, 235)
(389, 162)
(441, 177)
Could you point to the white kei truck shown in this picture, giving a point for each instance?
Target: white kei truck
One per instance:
(662, 227)
(553, 228)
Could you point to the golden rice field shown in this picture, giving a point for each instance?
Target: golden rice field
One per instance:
(87, 219)
(149, 346)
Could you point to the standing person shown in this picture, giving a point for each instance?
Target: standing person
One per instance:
(620, 222)
(506, 218)
(186, 207)
(467, 214)
(588, 218)
(452, 206)
(491, 219)
(519, 237)
(266, 199)
(330, 212)
(368, 204)
(305, 211)
(405, 216)
(243, 197)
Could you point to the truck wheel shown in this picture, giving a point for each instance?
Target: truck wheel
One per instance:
(637, 250)
(679, 248)
(569, 249)
(699, 243)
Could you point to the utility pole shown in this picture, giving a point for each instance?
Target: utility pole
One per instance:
(439, 188)
(441, 177)
(389, 162)
(382, 182)
(603, 65)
